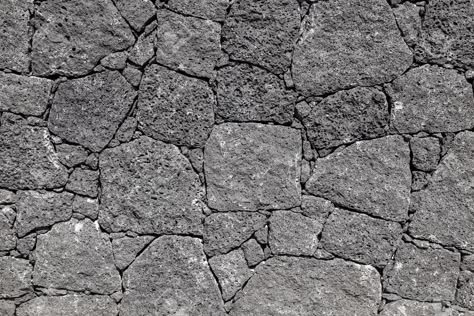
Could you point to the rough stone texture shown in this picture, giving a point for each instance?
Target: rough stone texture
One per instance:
(24, 95)
(137, 13)
(7, 308)
(347, 44)
(15, 33)
(84, 182)
(86, 206)
(212, 10)
(16, 277)
(171, 277)
(7, 234)
(175, 108)
(149, 187)
(38, 210)
(347, 116)
(253, 166)
(248, 93)
(71, 155)
(423, 274)
(293, 234)
(406, 307)
(126, 249)
(431, 99)
(444, 210)
(71, 305)
(426, 153)
(126, 130)
(464, 293)
(187, 43)
(446, 36)
(419, 181)
(7, 197)
(143, 50)
(89, 110)
(116, 61)
(316, 207)
(225, 231)
(360, 238)
(231, 271)
(300, 286)
(408, 16)
(71, 37)
(76, 256)
(369, 176)
(250, 33)
(253, 252)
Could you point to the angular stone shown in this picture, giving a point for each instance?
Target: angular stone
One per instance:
(347, 44)
(71, 37)
(316, 207)
(133, 76)
(116, 61)
(426, 153)
(253, 166)
(431, 99)
(408, 16)
(212, 10)
(86, 206)
(26, 245)
(143, 50)
(443, 211)
(41, 209)
(262, 32)
(360, 238)
(187, 43)
(7, 197)
(137, 13)
(369, 176)
(293, 234)
(261, 235)
(301, 286)
(465, 290)
(225, 231)
(24, 95)
(347, 116)
(7, 234)
(248, 93)
(175, 108)
(231, 271)
(84, 182)
(253, 252)
(447, 36)
(126, 249)
(149, 187)
(423, 274)
(89, 110)
(16, 277)
(126, 130)
(406, 307)
(71, 155)
(171, 277)
(76, 256)
(7, 308)
(71, 305)
(15, 34)
(419, 180)
(28, 159)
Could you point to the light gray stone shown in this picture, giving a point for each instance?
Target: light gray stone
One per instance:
(408, 16)
(7, 308)
(71, 155)
(253, 252)
(419, 180)
(426, 153)
(116, 61)
(137, 13)
(212, 10)
(7, 197)
(143, 50)
(16, 277)
(84, 182)
(316, 207)
(7, 234)
(86, 206)
(465, 290)
(126, 130)
(406, 307)
(126, 249)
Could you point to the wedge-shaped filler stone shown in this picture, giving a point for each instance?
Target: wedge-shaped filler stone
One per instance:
(149, 187)
(76, 256)
(301, 286)
(89, 110)
(347, 44)
(251, 166)
(369, 176)
(171, 277)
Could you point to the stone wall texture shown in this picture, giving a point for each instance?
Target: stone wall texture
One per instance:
(240, 157)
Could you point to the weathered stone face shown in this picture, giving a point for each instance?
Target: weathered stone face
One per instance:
(7, 233)
(465, 289)
(137, 13)
(126, 249)
(408, 16)
(7, 308)
(347, 44)
(149, 187)
(171, 277)
(71, 155)
(252, 166)
(84, 182)
(250, 28)
(212, 10)
(73, 36)
(406, 307)
(426, 153)
(16, 277)
(253, 252)
(293, 286)
(89, 110)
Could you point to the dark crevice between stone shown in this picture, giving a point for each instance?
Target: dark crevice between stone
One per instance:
(132, 30)
(215, 278)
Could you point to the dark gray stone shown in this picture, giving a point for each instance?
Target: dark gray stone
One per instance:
(301, 286)
(423, 274)
(369, 176)
(126, 130)
(115, 61)
(149, 187)
(76, 256)
(41, 209)
(225, 231)
(171, 277)
(16, 277)
(175, 108)
(89, 110)
(360, 238)
(126, 249)
(431, 99)
(406, 307)
(71, 37)
(408, 16)
(137, 13)
(347, 44)
(316, 207)
(253, 252)
(248, 93)
(84, 182)
(212, 10)
(7, 234)
(444, 209)
(426, 153)
(253, 166)
(143, 50)
(86, 206)
(71, 155)
(7, 308)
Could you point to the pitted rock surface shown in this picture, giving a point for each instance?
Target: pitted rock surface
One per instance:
(211, 10)
(16, 277)
(406, 307)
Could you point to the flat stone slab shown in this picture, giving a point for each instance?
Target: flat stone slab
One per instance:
(407, 307)
(431, 99)
(76, 256)
(171, 277)
(372, 177)
(16, 277)
(149, 187)
(301, 286)
(89, 110)
(72, 37)
(251, 166)
(347, 44)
